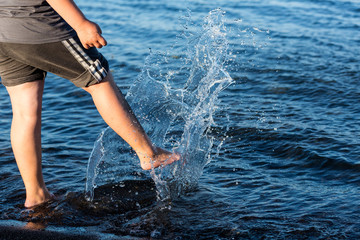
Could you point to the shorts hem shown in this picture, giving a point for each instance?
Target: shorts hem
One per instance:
(86, 79)
(19, 81)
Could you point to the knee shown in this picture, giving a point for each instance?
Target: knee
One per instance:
(27, 117)
(26, 101)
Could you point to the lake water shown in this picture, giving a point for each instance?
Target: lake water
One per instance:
(262, 98)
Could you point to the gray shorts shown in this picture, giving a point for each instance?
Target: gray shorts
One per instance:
(21, 63)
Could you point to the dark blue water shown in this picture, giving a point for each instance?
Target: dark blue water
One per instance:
(276, 153)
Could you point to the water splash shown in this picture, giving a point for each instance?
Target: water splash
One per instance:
(175, 98)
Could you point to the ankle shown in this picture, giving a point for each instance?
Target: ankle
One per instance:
(146, 159)
(147, 153)
(37, 197)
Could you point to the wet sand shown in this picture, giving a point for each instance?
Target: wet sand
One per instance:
(16, 232)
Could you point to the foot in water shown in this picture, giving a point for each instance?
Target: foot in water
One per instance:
(160, 158)
(41, 197)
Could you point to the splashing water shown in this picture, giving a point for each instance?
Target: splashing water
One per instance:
(175, 106)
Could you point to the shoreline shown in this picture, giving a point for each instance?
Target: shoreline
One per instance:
(16, 230)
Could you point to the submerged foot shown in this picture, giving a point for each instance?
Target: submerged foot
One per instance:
(160, 158)
(41, 197)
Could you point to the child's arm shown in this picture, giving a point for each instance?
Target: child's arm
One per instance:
(88, 32)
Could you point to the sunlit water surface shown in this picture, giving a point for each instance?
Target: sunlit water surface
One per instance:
(260, 97)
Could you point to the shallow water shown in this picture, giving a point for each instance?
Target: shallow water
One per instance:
(284, 142)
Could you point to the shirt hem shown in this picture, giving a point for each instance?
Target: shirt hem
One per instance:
(40, 41)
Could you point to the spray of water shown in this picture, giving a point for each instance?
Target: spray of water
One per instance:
(175, 98)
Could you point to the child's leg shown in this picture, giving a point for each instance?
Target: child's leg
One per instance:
(117, 113)
(26, 100)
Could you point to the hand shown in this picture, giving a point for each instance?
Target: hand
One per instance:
(89, 34)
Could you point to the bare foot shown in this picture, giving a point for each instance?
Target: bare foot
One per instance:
(40, 198)
(160, 158)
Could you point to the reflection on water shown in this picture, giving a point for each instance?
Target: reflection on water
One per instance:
(35, 226)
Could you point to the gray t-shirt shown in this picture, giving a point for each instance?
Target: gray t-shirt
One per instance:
(31, 22)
